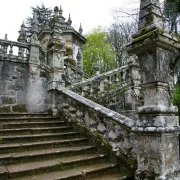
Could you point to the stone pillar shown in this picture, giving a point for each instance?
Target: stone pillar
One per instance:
(79, 60)
(34, 88)
(132, 78)
(34, 60)
(56, 53)
(157, 127)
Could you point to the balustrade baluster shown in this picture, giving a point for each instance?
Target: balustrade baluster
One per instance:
(5, 47)
(91, 90)
(83, 91)
(1, 48)
(101, 85)
(11, 50)
(116, 78)
(20, 52)
(109, 81)
(27, 53)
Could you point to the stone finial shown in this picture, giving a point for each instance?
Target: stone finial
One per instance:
(35, 18)
(34, 29)
(80, 29)
(5, 37)
(60, 11)
(69, 20)
(56, 31)
(46, 24)
(62, 19)
(150, 14)
(22, 34)
(78, 54)
(56, 13)
(79, 59)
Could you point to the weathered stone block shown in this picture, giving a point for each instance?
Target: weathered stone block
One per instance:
(19, 108)
(8, 100)
(11, 87)
(20, 97)
(19, 84)
(4, 109)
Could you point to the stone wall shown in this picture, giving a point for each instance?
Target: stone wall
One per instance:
(37, 97)
(13, 83)
(106, 127)
(19, 90)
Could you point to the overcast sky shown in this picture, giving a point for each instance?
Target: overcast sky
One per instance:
(90, 13)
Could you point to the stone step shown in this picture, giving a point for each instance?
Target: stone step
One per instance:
(19, 147)
(20, 115)
(28, 119)
(38, 137)
(21, 131)
(32, 124)
(28, 156)
(76, 173)
(60, 164)
(113, 176)
(41, 147)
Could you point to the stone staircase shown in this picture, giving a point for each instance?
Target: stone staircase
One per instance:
(41, 147)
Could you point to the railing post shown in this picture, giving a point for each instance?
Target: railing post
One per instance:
(56, 53)
(132, 78)
(157, 127)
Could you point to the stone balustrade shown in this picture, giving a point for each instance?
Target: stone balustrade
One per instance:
(102, 85)
(73, 74)
(14, 51)
(107, 127)
(118, 89)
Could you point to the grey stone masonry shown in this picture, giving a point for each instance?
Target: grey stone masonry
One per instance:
(107, 127)
(118, 89)
(158, 153)
(34, 64)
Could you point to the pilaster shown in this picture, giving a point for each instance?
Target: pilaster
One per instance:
(56, 53)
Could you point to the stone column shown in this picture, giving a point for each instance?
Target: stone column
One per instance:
(79, 59)
(157, 127)
(132, 79)
(34, 88)
(34, 60)
(56, 53)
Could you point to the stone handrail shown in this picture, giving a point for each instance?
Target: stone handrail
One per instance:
(73, 74)
(85, 75)
(108, 127)
(100, 85)
(7, 48)
(103, 76)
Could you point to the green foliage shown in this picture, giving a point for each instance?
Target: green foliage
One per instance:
(98, 50)
(176, 4)
(44, 15)
(171, 9)
(176, 96)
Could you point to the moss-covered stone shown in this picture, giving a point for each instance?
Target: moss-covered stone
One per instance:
(8, 100)
(4, 109)
(145, 36)
(19, 108)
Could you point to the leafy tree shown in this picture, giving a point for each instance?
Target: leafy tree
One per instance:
(176, 3)
(171, 14)
(44, 16)
(176, 97)
(120, 34)
(98, 51)
(121, 31)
